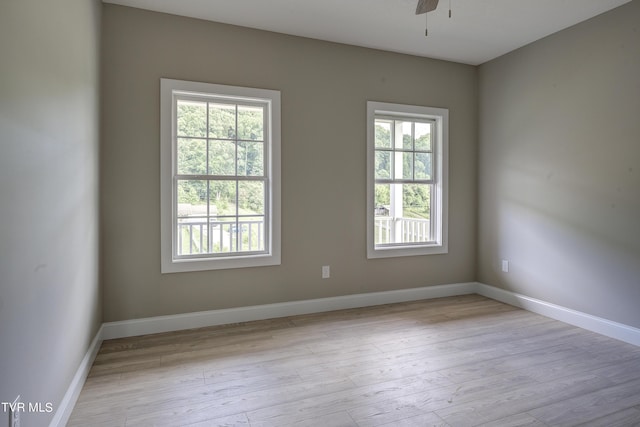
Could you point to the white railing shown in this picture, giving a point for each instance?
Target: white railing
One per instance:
(197, 236)
(401, 230)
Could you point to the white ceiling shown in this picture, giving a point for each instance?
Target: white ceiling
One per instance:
(478, 31)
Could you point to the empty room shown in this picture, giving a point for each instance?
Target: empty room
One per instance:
(339, 213)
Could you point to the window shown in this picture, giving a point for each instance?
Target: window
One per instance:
(406, 180)
(220, 176)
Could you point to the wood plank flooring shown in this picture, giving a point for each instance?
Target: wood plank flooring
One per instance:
(460, 361)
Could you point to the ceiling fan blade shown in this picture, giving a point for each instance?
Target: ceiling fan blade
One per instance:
(425, 6)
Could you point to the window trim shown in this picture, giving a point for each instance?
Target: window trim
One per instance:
(169, 88)
(440, 178)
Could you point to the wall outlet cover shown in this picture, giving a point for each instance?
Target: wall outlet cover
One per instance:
(326, 271)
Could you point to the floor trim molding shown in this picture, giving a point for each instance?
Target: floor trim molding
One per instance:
(200, 319)
(586, 321)
(70, 398)
(176, 322)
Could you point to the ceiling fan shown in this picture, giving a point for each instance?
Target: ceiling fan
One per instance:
(425, 6)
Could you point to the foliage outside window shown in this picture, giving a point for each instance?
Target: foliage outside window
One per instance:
(220, 176)
(407, 193)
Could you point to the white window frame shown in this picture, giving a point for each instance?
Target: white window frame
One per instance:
(170, 263)
(440, 198)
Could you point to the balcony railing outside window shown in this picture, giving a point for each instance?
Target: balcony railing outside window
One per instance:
(196, 236)
(389, 230)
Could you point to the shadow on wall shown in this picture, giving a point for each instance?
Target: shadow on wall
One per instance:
(567, 237)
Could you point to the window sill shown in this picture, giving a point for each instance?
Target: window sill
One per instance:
(404, 251)
(186, 265)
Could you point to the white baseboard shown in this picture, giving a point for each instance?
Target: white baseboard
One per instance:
(153, 325)
(586, 321)
(63, 412)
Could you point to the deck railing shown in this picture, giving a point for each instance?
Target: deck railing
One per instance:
(401, 230)
(197, 236)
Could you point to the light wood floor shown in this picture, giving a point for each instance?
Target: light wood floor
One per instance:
(461, 361)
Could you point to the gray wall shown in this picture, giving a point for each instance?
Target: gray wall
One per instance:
(324, 88)
(50, 303)
(559, 192)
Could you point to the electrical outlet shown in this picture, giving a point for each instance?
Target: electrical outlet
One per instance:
(505, 266)
(14, 413)
(326, 271)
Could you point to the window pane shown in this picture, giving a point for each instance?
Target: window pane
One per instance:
(383, 133)
(251, 234)
(222, 198)
(402, 213)
(222, 156)
(250, 158)
(192, 236)
(403, 135)
(416, 200)
(222, 121)
(408, 217)
(192, 156)
(383, 164)
(382, 220)
(192, 118)
(222, 235)
(250, 123)
(407, 165)
(403, 165)
(192, 197)
(423, 136)
(251, 197)
(382, 199)
(422, 166)
(415, 225)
